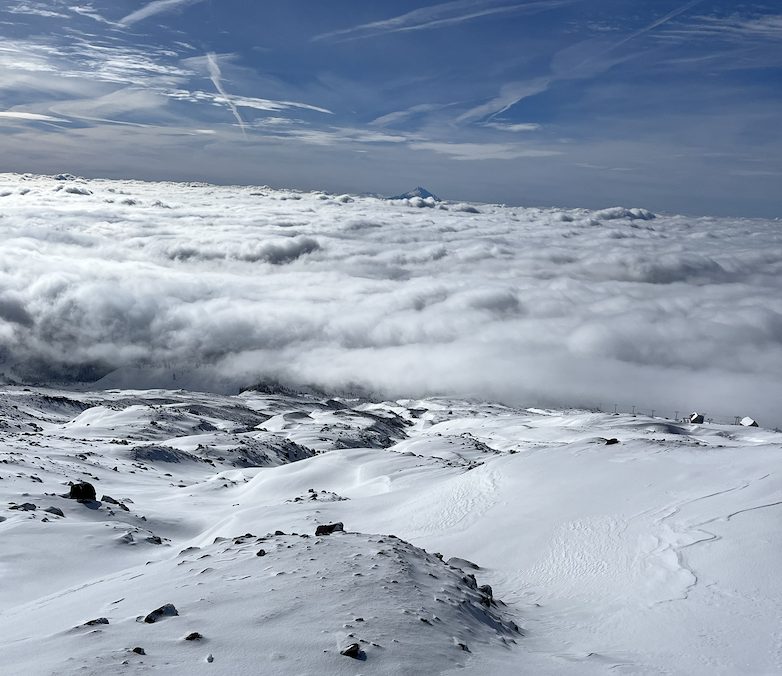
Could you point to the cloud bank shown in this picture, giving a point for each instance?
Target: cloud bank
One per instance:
(192, 285)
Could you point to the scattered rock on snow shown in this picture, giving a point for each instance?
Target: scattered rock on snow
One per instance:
(328, 529)
(82, 491)
(54, 510)
(112, 501)
(25, 507)
(353, 650)
(167, 610)
(158, 453)
(464, 564)
(488, 594)
(323, 496)
(194, 636)
(460, 644)
(95, 622)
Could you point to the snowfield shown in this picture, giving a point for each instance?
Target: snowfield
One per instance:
(247, 430)
(655, 554)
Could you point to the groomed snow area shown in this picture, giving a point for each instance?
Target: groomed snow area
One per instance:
(658, 553)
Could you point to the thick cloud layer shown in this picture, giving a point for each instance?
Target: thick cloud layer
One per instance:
(154, 284)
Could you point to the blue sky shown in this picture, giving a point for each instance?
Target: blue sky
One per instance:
(666, 105)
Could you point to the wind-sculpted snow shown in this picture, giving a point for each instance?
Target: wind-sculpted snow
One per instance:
(159, 284)
(474, 537)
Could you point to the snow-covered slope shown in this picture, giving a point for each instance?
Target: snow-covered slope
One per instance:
(654, 554)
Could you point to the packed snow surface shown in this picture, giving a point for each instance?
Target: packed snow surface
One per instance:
(205, 287)
(478, 538)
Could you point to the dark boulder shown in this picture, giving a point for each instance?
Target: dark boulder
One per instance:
(114, 501)
(353, 650)
(328, 529)
(488, 594)
(82, 491)
(97, 621)
(168, 610)
(464, 564)
(25, 507)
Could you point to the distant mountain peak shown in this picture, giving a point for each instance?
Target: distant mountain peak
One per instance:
(423, 193)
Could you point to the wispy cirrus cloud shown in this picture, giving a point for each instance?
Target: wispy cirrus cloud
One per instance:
(735, 27)
(510, 94)
(153, 8)
(35, 9)
(437, 16)
(111, 108)
(582, 60)
(403, 115)
(30, 117)
(271, 105)
(483, 151)
(91, 13)
(515, 128)
(348, 138)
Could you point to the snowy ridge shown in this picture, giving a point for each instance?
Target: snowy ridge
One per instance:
(294, 608)
(610, 543)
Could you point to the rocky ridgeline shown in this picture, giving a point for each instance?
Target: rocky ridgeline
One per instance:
(308, 599)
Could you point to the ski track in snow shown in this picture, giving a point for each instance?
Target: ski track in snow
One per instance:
(655, 555)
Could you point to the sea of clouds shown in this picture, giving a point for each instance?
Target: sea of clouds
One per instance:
(160, 284)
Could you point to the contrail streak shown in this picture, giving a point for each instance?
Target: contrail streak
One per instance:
(659, 22)
(216, 76)
(153, 8)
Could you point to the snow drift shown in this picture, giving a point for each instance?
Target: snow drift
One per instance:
(478, 539)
